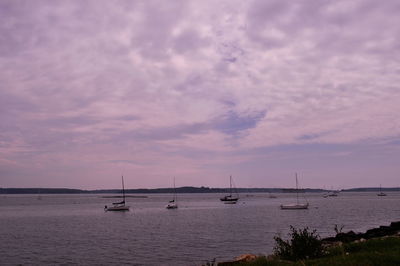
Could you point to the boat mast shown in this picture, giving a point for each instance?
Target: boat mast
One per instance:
(230, 184)
(175, 198)
(123, 190)
(297, 190)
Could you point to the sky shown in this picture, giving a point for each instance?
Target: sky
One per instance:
(199, 91)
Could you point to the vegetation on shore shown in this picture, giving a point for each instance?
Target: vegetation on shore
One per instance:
(303, 244)
(378, 246)
(378, 251)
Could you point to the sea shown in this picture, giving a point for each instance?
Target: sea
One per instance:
(74, 229)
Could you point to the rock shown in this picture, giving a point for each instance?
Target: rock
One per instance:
(351, 236)
(329, 239)
(374, 232)
(347, 237)
(337, 244)
(246, 257)
(338, 240)
(379, 232)
(395, 225)
(388, 230)
(238, 260)
(329, 244)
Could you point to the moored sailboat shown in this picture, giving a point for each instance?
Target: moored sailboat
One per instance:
(119, 206)
(332, 193)
(297, 205)
(173, 204)
(230, 199)
(381, 194)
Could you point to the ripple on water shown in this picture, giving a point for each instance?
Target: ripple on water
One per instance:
(74, 229)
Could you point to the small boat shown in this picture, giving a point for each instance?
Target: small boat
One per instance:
(230, 199)
(297, 205)
(381, 194)
(173, 204)
(272, 196)
(119, 206)
(331, 194)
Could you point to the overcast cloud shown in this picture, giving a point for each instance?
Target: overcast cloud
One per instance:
(199, 90)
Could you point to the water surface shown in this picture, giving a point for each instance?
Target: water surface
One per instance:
(74, 229)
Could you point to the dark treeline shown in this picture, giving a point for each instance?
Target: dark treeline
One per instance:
(178, 190)
(40, 191)
(148, 190)
(372, 189)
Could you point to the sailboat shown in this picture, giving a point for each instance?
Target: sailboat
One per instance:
(332, 193)
(119, 206)
(173, 204)
(297, 205)
(230, 199)
(380, 192)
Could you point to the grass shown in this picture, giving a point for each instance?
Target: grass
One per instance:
(380, 251)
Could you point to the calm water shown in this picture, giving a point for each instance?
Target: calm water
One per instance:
(74, 229)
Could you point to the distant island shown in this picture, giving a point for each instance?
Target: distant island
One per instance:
(180, 190)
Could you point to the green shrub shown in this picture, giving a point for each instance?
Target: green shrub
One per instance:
(303, 244)
(338, 228)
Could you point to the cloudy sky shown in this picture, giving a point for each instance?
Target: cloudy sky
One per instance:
(199, 90)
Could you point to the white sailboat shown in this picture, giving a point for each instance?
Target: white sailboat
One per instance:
(173, 204)
(381, 194)
(297, 205)
(230, 199)
(119, 206)
(332, 193)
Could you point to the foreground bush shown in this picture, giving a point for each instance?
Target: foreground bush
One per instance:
(380, 251)
(303, 244)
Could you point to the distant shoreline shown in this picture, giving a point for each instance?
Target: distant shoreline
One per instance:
(182, 190)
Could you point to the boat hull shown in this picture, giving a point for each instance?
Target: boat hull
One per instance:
(229, 199)
(171, 206)
(117, 208)
(294, 207)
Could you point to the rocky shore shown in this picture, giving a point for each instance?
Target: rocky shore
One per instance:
(351, 236)
(382, 231)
